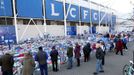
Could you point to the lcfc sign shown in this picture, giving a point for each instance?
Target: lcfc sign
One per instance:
(54, 10)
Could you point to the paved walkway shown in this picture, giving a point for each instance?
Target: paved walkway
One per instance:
(113, 66)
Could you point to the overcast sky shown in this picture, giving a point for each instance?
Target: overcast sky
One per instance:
(121, 6)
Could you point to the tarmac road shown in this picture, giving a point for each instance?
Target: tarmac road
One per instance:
(113, 66)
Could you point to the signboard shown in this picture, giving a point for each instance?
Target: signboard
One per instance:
(29, 8)
(95, 16)
(71, 30)
(6, 8)
(54, 10)
(73, 13)
(85, 14)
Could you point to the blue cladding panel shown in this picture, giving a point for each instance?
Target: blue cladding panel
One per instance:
(7, 33)
(6, 8)
(73, 13)
(71, 30)
(109, 17)
(29, 8)
(103, 17)
(94, 16)
(85, 14)
(113, 19)
(54, 10)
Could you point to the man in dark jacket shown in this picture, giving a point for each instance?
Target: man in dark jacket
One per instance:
(103, 47)
(86, 51)
(99, 57)
(42, 57)
(54, 57)
(7, 63)
(70, 57)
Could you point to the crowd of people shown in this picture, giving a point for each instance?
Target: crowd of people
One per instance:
(46, 53)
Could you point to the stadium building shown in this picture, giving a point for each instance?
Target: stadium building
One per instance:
(23, 19)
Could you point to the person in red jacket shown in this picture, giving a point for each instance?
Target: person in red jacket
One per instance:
(119, 46)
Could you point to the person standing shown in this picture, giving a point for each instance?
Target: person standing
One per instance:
(77, 53)
(119, 46)
(70, 57)
(41, 58)
(54, 58)
(28, 64)
(86, 51)
(103, 47)
(125, 42)
(7, 63)
(99, 57)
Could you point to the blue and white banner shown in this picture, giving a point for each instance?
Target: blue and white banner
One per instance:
(94, 16)
(7, 34)
(54, 10)
(85, 14)
(71, 30)
(6, 8)
(29, 8)
(73, 13)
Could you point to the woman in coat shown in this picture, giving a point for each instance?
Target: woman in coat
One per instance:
(119, 47)
(77, 53)
(28, 64)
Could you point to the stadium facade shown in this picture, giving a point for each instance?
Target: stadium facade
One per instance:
(23, 19)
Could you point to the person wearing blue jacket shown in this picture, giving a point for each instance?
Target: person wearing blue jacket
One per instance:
(42, 57)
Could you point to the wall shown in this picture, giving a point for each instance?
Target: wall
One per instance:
(55, 30)
(103, 29)
(25, 31)
(38, 30)
(81, 29)
(34, 31)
